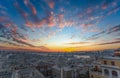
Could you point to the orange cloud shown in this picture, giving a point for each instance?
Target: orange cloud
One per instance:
(74, 43)
(29, 24)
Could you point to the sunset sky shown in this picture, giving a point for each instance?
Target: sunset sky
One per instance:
(59, 25)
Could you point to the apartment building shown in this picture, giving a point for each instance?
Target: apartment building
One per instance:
(108, 67)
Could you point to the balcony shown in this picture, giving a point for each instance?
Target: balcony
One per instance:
(110, 66)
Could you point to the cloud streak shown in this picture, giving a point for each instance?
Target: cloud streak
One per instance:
(111, 30)
(114, 29)
(10, 43)
(30, 5)
(75, 43)
(108, 43)
(22, 42)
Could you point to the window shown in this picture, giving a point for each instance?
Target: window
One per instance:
(92, 76)
(106, 72)
(114, 74)
(105, 62)
(112, 63)
(96, 68)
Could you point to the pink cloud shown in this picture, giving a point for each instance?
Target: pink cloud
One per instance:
(113, 10)
(37, 24)
(107, 4)
(29, 24)
(14, 30)
(40, 23)
(89, 10)
(66, 23)
(51, 4)
(61, 25)
(9, 24)
(62, 22)
(2, 19)
(51, 24)
(33, 9)
(87, 25)
(69, 23)
(51, 20)
(21, 11)
(26, 2)
(60, 18)
(104, 7)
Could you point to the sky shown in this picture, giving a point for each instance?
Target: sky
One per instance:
(59, 25)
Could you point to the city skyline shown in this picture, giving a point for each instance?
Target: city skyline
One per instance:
(59, 25)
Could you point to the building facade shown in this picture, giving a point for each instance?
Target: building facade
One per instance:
(108, 67)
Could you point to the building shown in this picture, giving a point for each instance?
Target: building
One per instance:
(64, 72)
(5, 73)
(117, 53)
(45, 68)
(108, 67)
